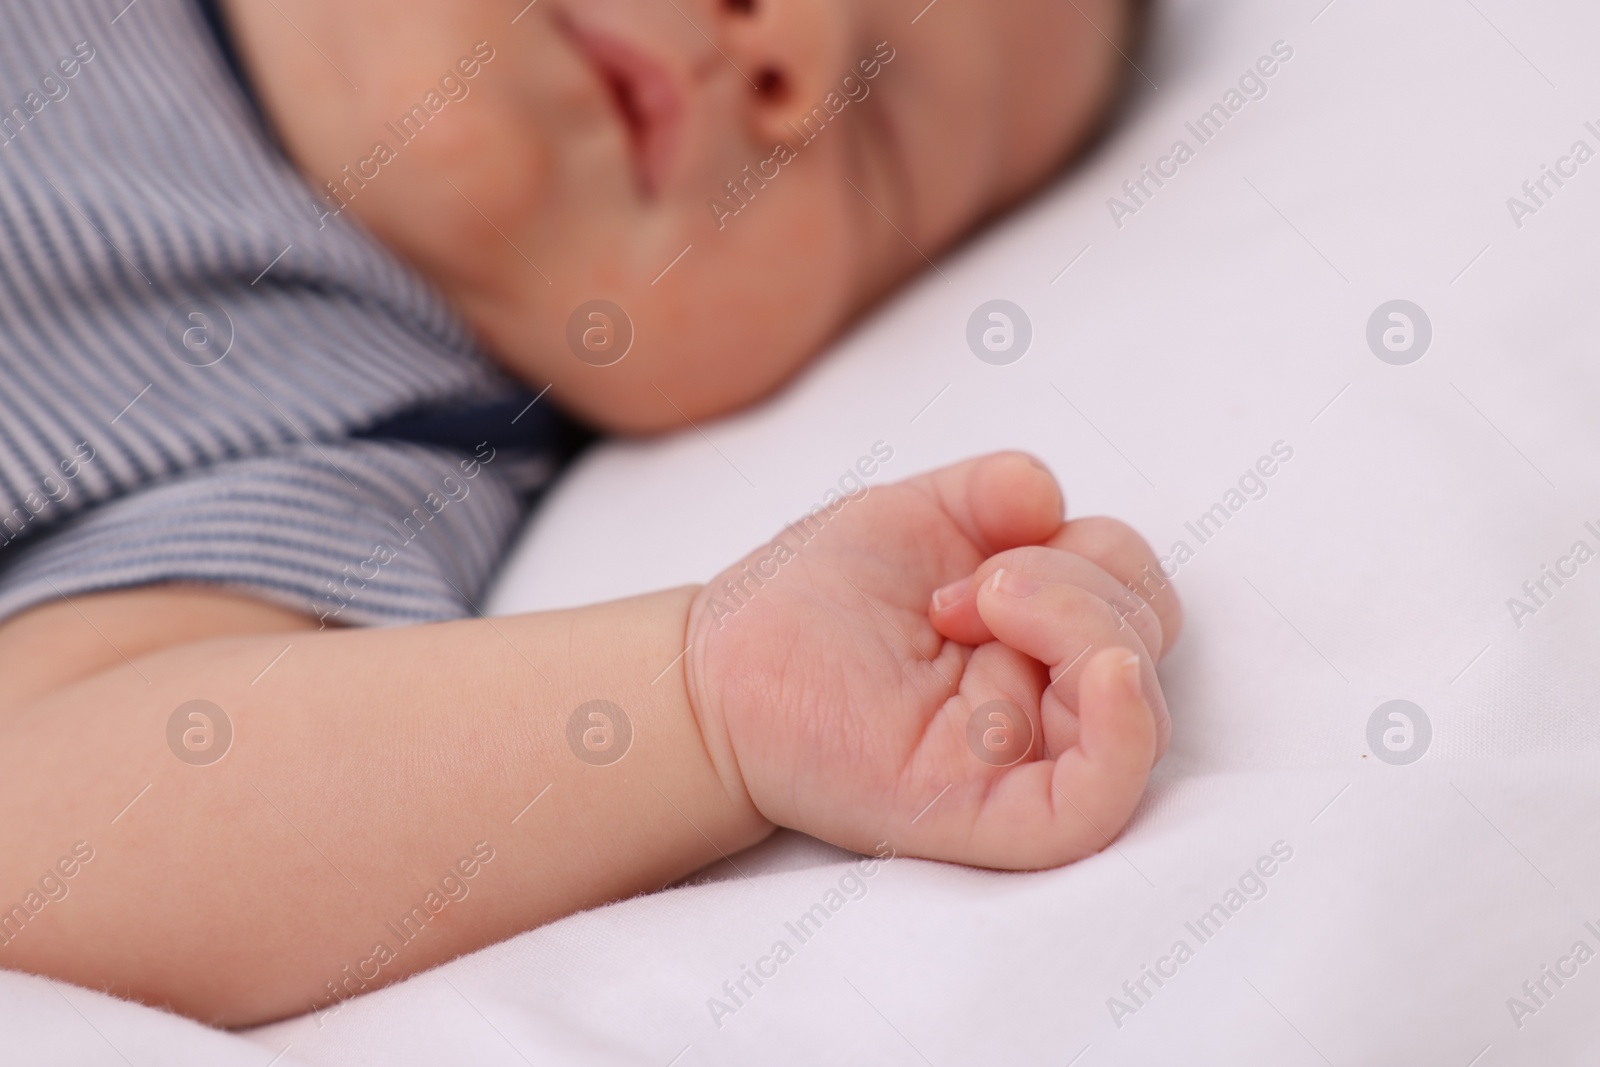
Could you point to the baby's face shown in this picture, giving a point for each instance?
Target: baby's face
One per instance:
(740, 177)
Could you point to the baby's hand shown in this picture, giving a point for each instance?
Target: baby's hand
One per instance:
(944, 665)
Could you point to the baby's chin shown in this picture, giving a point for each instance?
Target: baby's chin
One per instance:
(642, 360)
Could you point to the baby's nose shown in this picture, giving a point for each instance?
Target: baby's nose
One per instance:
(793, 54)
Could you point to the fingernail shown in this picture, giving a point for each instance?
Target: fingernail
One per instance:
(947, 597)
(1131, 679)
(1012, 583)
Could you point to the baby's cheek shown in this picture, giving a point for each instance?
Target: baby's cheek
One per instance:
(435, 201)
(497, 163)
(785, 267)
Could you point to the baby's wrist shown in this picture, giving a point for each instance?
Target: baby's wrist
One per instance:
(704, 695)
(635, 722)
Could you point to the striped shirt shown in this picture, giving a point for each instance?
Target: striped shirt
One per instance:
(202, 383)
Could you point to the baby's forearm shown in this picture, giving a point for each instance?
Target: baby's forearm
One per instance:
(389, 799)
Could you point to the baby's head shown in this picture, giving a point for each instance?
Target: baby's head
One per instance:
(740, 177)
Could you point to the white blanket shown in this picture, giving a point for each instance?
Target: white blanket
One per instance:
(1292, 891)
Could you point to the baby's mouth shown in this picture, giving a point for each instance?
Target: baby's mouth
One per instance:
(647, 99)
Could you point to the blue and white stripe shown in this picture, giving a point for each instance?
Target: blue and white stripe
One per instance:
(134, 192)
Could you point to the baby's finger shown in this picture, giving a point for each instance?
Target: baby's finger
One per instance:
(1101, 778)
(1050, 812)
(1119, 549)
(1063, 626)
(954, 610)
(999, 501)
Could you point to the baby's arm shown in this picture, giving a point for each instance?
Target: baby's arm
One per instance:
(1010, 720)
(364, 766)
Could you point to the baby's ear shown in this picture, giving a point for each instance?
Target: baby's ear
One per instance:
(1000, 501)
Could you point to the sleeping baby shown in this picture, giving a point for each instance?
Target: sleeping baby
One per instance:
(301, 307)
